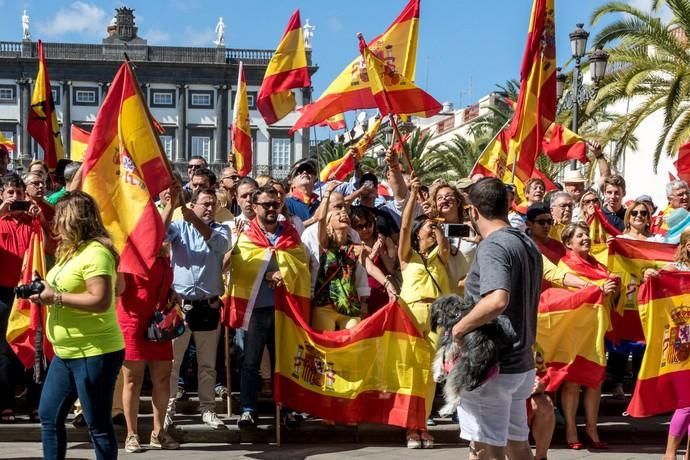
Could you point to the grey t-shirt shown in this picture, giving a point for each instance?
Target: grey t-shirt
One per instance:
(509, 260)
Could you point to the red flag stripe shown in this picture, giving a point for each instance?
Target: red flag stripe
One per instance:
(554, 300)
(671, 284)
(581, 371)
(645, 250)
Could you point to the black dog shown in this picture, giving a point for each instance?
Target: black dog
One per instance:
(467, 366)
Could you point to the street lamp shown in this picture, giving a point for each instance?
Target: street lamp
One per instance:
(580, 93)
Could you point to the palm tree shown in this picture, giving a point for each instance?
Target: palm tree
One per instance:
(649, 62)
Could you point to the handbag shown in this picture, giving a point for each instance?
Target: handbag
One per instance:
(166, 324)
(201, 316)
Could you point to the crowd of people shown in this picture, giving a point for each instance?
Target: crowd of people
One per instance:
(367, 241)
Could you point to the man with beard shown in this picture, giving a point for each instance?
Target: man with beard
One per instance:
(197, 245)
(302, 201)
(244, 191)
(229, 181)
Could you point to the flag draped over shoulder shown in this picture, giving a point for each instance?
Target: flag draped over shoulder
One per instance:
(629, 259)
(80, 140)
(43, 124)
(342, 167)
(561, 144)
(240, 131)
(351, 90)
(287, 70)
(393, 92)
(570, 337)
(249, 259)
(124, 167)
(600, 230)
(662, 384)
(26, 323)
(520, 141)
(377, 372)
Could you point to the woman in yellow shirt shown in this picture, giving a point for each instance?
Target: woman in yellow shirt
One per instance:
(82, 327)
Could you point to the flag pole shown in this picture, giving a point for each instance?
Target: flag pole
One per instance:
(318, 161)
(228, 373)
(391, 119)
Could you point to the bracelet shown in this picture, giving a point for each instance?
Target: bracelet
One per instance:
(57, 300)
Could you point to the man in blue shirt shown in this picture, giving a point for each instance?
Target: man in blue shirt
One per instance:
(197, 245)
(302, 201)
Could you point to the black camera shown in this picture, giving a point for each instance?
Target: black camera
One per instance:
(24, 291)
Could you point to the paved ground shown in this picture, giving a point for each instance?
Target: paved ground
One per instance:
(29, 451)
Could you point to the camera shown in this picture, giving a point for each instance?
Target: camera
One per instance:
(457, 230)
(24, 291)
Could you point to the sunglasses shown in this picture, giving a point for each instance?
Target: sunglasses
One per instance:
(544, 221)
(195, 166)
(363, 226)
(269, 205)
(305, 170)
(641, 213)
(592, 201)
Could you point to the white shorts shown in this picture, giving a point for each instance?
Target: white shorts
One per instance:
(496, 412)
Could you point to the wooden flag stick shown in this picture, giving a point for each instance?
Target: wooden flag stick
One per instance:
(394, 125)
(278, 409)
(228, 373)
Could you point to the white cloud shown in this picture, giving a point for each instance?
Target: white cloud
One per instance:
(156, 37)
(79, 18)
(646, 5)
(198, 37)
(335, 24)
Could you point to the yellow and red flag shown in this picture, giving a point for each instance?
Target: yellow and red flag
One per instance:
(8, 144)
(240, 131)
(351, 90)
(570, 337)
(392, 92)
(519, 143)
(682, 163)
(628, 259)
(561, 144)
(26, 322)
(662, 384)
(335, 122)
(341, 168)
(600, 231)
(287, 70)
(341, 375)
(79, 143)
(43, 125)
(124, 168)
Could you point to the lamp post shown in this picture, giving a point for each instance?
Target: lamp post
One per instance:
(579, 92)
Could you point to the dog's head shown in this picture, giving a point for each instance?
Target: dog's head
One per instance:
(446, 311)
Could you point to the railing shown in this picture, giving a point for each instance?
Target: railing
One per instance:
(10, 48)
(248, 56)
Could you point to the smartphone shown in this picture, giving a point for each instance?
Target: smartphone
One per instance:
(457, 230)
(20, 206)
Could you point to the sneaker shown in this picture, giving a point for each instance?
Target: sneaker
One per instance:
(132, 444)
(181, 394)
(246, 420)
(79, 421)
(291, 419)
(211, 419)
(163, 441)
(169, 422)
(221, 391)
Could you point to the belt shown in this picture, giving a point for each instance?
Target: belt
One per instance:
(201, 302)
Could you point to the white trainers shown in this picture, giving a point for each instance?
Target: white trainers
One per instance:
(163, 441)
(132, 444)
(211, 419)
(168, 422)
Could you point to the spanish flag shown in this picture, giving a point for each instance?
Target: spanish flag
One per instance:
(392, 92)
(335, 122)
(628, 259)
(561, 144)
(27, 320)
(240, 130)
(662, 384)
(287, 70)
(80, 140)
(570, 337)
(341, 168)
(600, 231)
(351, 90)
(43, 125)
(682, 163)
(249, 259)
(519, 143)
(9, 145)
(377, 372)
(124, 167)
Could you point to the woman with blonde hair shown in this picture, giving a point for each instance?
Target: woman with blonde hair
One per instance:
(82, 326)
(588, 202)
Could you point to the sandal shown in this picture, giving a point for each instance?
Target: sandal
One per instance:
(7, 416)
(413, 440)
(427, 440)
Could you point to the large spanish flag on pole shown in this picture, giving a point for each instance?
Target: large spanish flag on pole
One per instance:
(80, 140)
(287, 70)
(570, 337)
(43, 125)
(351, 90)
(628, 259)
(124, 167)
(26, 325)
(240, 131)
(513, 153)
(377, 372)
(662, 384)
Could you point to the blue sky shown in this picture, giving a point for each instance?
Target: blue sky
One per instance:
(465, 46)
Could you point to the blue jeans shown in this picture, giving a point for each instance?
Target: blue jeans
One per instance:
(260, 333)
(7, 358)
(93, 381)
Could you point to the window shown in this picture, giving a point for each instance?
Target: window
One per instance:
(200, 99)
(251, 100)
(56, 95)
(168, 142)
(84, 96)
(281, 150)
(8, 94)
(201, 145)
(162, 98)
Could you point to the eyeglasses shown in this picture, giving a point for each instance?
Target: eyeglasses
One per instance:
(232, 178)
(564, 206)
(37, 184)
(544, 222)
(592, 201)
(363, 226)
(195, 166)
(269, 205)
(681, 194)
(641, 213)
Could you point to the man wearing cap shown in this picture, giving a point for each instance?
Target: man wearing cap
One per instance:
(677, 194)
(302, 201)
(574, 184)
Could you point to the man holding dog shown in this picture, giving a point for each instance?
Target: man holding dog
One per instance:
(505, 278)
